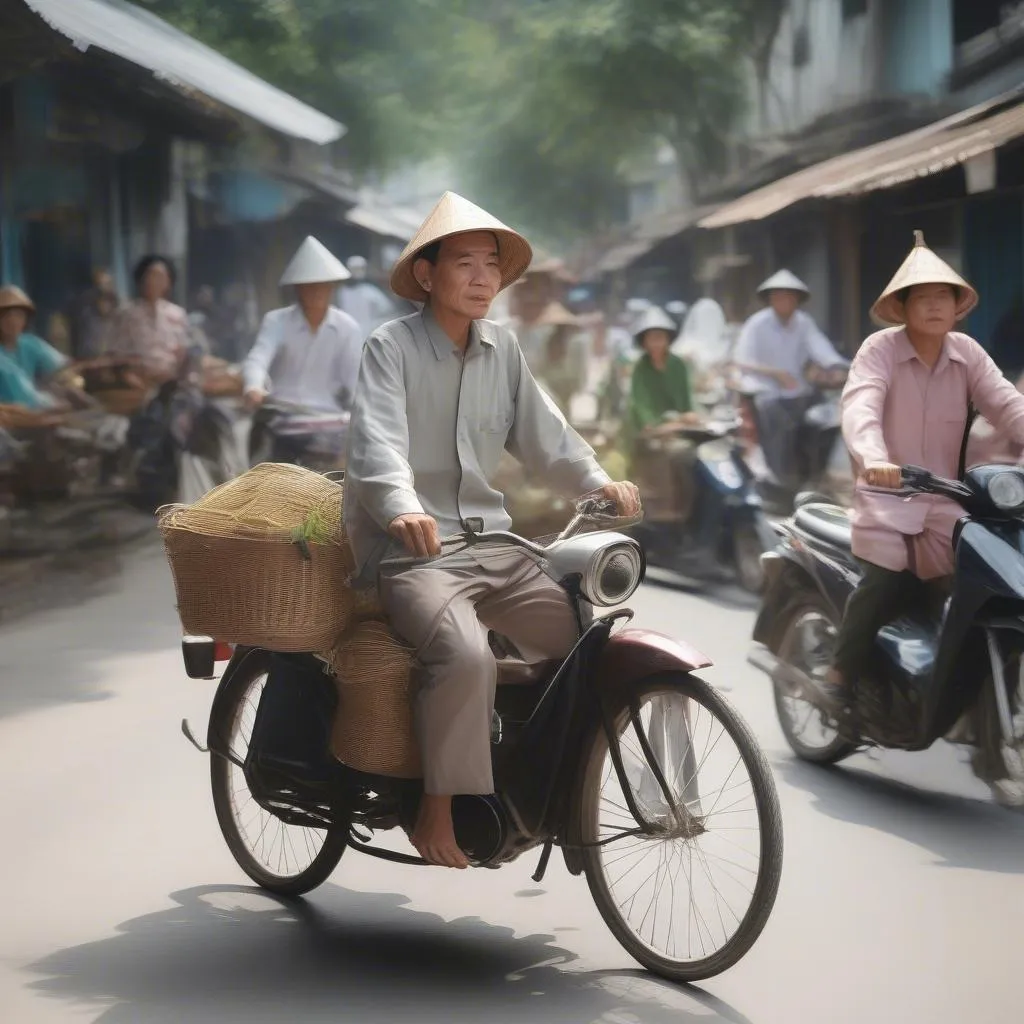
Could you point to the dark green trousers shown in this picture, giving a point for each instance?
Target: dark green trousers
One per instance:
(881, 597)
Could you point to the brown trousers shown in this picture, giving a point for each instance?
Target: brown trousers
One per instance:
(445, 610)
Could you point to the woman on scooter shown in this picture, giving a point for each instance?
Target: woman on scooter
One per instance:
(907, 401)
(661, 402)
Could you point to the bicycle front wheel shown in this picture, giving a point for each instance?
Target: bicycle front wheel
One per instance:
(689, 898)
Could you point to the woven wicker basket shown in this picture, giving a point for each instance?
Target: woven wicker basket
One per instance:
(373, 728)
(239, 574)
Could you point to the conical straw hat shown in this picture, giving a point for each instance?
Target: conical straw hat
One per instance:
(786, 281)
(654, 318)
(12, 297)
(314, 263)
(922, 266)
(556, 315)
(454, 215)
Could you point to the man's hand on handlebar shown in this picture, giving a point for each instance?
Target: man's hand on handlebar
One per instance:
(625, 495)
(418, 533)
(254, 398)
(883, 474)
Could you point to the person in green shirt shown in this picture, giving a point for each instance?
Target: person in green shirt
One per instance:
(660, 402)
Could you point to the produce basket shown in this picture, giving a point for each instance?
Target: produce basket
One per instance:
(373, 726)
(262, 560)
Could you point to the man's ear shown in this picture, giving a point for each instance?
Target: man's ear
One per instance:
(421, 271)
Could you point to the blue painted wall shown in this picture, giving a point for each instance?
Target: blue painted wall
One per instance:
(918, 36)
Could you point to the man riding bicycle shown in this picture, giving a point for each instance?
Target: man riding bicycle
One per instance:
(441, 395)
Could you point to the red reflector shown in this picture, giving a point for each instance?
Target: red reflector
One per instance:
(223, 651)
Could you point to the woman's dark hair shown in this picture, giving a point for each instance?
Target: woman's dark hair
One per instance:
(142, 268)
(904, 293)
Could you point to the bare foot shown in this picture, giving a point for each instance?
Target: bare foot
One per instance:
(434, 834)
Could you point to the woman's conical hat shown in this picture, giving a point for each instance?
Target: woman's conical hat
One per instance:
(556, 315)
(783, 281)
(314, 263)
(654, 318)
(12, 297)
(454, 215)
(922, 266)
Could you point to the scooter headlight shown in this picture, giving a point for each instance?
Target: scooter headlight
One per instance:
(612, 575)
(1006, 490)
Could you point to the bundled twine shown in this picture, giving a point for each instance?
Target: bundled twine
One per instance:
(262, 560)
(271, 502)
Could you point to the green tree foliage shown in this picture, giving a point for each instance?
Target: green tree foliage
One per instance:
(540, 103)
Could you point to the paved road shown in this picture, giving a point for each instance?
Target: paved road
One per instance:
(902, 898)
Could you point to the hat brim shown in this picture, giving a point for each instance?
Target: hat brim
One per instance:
(514, 256)
(804, 293)
(888, 311)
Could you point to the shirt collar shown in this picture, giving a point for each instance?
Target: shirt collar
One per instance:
(299, 318)
(481, 332)
(905, 351)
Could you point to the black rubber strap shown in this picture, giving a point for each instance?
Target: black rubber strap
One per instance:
(972, 415)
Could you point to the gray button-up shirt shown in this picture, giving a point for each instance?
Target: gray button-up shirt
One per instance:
(429, 426)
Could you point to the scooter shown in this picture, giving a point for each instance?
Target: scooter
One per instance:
(956, 672)
(648, 781)
(727, 528)
(815, 442)
(289, 432)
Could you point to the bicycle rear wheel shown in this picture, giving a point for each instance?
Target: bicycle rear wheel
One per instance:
(283, 858)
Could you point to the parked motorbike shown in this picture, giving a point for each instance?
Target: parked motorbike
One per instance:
(726, 508)
(934, 675)
(644, 776)
(289, 432)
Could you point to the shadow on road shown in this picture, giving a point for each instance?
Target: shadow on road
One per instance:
(236, 955)
(961, 832)
(123, 605)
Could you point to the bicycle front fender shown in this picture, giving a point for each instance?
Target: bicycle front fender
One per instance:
(635, 654)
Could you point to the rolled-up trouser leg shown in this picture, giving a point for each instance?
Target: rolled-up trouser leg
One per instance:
(434, 610)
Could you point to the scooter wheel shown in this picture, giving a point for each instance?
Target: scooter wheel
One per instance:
(808, 641)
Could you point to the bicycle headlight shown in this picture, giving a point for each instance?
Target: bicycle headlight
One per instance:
(608, 567)
(1006, 491)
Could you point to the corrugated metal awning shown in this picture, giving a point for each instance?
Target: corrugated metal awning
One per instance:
(386, 221)
(145, 40)
(918, 154)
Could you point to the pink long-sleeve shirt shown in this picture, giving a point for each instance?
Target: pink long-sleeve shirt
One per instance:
(896, 409)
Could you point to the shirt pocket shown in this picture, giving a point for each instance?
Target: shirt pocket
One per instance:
(492, 433)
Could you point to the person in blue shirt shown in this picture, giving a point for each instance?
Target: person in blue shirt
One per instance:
(27, 363)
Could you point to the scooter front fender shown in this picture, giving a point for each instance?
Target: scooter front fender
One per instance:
(634, 654)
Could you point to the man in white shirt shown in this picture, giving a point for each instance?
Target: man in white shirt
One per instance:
(775, 350)
(307, 354)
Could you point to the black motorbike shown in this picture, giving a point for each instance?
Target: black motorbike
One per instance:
(289, 432)
(727, 531)
(648, 781)
(953, 671)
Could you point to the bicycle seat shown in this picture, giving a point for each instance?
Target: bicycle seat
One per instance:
(827, 523)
